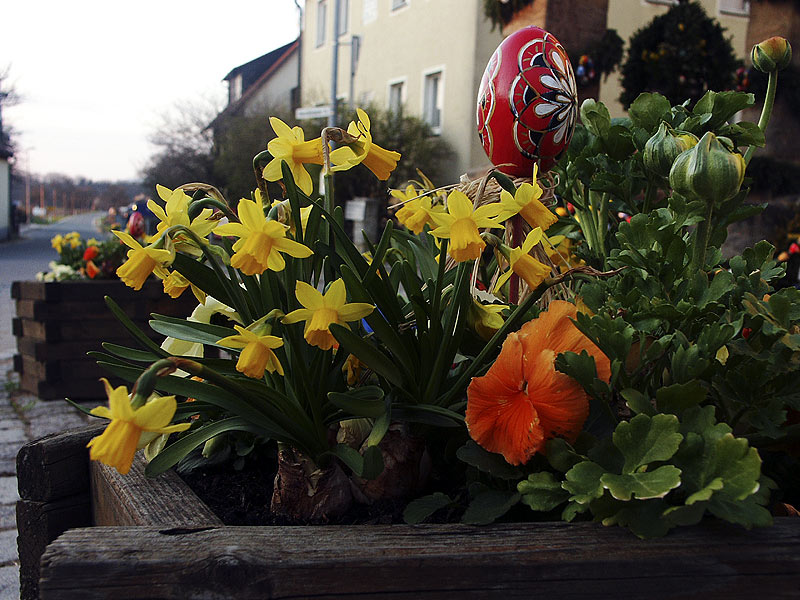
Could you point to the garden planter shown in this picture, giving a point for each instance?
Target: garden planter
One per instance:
(159, 541)
(57, 323)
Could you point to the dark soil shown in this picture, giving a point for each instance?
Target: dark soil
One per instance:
(243, 497)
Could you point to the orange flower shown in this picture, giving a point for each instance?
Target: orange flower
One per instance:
(522, 401)
(91, 269)
(90, 253)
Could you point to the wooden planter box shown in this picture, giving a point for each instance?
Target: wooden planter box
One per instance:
(157, 540)
(57, 323)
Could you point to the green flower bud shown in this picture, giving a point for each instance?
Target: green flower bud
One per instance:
(663, 148)
(771, 55)
(709, 171)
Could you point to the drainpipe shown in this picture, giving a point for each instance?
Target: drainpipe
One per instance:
(299, 52)
(335, 65)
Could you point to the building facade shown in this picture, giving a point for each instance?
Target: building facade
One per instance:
(424, 56)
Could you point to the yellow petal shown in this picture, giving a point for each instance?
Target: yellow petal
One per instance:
(280, 128)
(336, 295)
(355, 311)
(308, 296)
(459, 205)
(155, 414)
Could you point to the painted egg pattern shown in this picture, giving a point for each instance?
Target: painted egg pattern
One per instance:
(527, 102)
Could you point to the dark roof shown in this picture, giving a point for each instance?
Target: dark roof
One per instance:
(251, 71)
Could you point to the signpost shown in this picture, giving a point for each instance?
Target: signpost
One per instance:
(313, 112)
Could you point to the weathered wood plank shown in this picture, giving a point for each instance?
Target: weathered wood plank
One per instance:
(77, 389)
(55, 466)
(38, 524)
(561, 560)
(133, 499)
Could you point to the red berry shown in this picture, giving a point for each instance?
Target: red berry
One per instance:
(571, 210)
(746, 332)
(794, 248)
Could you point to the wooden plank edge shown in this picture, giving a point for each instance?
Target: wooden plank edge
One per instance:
(134, 499)
(426, 561)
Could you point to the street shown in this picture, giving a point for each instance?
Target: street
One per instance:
(22, 258)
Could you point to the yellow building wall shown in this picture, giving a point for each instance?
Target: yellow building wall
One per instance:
(628, 16)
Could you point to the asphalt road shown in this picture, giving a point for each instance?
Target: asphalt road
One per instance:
(22, 258)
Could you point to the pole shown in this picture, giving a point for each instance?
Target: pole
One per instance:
(298, 100)
(355, 46)
(335, 65)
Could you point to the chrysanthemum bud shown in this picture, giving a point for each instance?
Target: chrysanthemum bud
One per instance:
(709, 171)
(773, 54)
(664, 147)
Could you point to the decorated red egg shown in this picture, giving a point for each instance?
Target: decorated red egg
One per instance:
(527, 103)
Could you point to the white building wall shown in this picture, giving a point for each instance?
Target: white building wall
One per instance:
(276, 93)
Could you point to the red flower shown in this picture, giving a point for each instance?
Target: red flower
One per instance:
(794, 248)
(522, 401)
(91, 253)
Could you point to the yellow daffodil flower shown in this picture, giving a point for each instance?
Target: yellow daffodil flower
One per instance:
(378, 160)
(485, 319)
(176, 212)
(525, 202)
(290, 145)
(352, 369)
(175, 284)
(74, 239)
(416, 212)
(57, 243)
(142, 261)
(257, 355)
(260, 242)
(130, 428)
(320, 311)
(285, 216)
(201, 314)
(92, 242)
(460, 224)
(523, 264)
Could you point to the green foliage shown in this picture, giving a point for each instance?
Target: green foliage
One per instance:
(680, 54)
(501, 13)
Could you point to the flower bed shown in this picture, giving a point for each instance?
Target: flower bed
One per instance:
(158, 542)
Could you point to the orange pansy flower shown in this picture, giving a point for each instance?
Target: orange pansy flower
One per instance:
(522, 401)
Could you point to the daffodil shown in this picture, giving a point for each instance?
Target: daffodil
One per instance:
(460, 224)
(416, 211)
(525, 202)
(176, 212)
(378, 160)
(257, 355)
(352, 369)
(201, 314)
(523, 264)
(290, 146)
(485, 319)
(285, 214)
(130, 428)
(260, 242)
(320, 311)
(142, 261)
(57, 242)
(175, 284)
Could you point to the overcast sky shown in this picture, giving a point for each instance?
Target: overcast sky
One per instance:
(96, 75)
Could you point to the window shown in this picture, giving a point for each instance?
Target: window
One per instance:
(344, 16)
(396, 96)
(235, 89)
(734, 7)
(399, 4)
(432, 100)
(369, 11)
(322, 15)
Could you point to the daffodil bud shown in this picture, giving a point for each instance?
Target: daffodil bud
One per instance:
(709, 171)
(664, 147)
(773, 54)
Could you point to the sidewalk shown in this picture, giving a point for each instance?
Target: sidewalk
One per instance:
(23, 418)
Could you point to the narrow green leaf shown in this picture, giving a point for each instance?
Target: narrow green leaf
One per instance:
(366, 401)
(137, 333)
(350, 457)
(373, 462)
(130, 353)
(368, 354)
(173, 453)
(428, 414)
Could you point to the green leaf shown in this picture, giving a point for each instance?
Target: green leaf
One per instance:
(643, 486)
(130, 353)
(643, 518)
(203, 277)
(420, 509)
(488, 462)
(373, 462)
(190, 331)
(583, 482)
(350, 457)
(428, 414)
(137, 333)
(366, 401)
(643, 440)
(379, 429)
(561, 455)
(542, 492)
(489, 506)
(714, 485)
(173, 453)
(595, 117)
(648, 110)
(638, 402)
(678, 397)
(367, 353)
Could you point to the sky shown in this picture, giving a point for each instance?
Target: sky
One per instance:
(95, 77)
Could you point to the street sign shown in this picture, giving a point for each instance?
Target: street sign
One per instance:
(312, 112)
